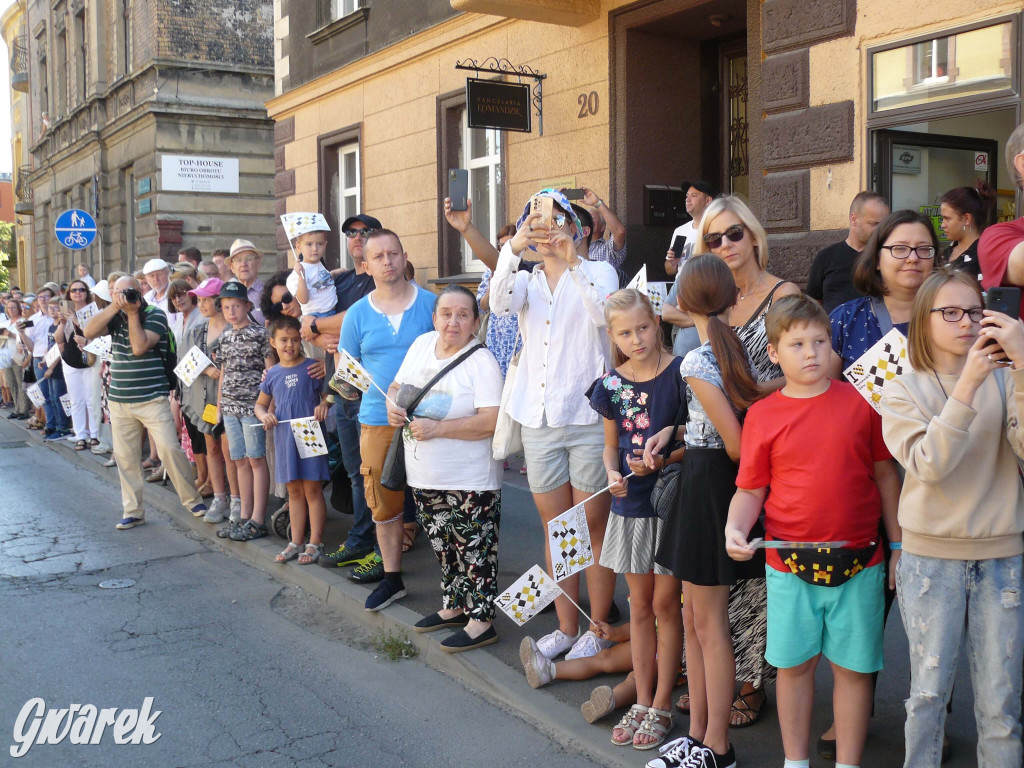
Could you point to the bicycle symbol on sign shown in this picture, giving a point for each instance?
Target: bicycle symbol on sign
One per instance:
(76, 238)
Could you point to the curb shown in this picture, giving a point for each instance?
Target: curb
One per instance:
(479, 672)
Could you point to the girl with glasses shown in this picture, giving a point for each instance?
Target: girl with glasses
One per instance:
(954, 423)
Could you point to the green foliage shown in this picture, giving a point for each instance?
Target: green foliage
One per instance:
(394, 645)
(7, 246)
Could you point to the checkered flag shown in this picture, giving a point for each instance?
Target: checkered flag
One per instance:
(569, 542)
(352, 371)
(296, 224)
(530, 594)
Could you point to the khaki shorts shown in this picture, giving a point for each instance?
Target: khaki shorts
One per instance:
(374, 442)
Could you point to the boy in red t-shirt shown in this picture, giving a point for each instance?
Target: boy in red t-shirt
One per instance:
(818, 445)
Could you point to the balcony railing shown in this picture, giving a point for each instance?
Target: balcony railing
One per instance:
(19, 64)
(23, 191)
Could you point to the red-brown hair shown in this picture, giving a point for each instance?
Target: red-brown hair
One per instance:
(707, 288)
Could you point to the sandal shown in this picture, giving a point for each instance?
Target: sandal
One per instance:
(205, 490)
(409, 536)
(629, 723)
(307, 557)
(93, 442)
(150, 464)
(81, 445)
(744, 715)
(288, 553)
(656, 724)
(683, 705)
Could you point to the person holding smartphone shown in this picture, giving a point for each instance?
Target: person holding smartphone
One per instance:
(699, 195)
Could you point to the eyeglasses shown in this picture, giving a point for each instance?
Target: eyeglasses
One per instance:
(903, 251)
(352, 234)
(77, 290)
(245, 259)
(955, 314)
(733, 234)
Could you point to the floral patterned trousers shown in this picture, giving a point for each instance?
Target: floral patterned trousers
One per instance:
(462, 527)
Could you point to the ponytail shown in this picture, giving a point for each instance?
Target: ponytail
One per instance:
(738, 382)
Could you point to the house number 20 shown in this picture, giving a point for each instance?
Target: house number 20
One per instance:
(588, 104)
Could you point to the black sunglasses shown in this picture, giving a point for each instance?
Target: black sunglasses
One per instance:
(278, 306)
(733, 234)
(78, 290)
(351, 234)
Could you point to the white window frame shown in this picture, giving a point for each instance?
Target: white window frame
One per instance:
(492, 162)
(347, 188)
(342, 8)
(934, 78)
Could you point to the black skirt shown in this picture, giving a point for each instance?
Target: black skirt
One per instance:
(693, 539)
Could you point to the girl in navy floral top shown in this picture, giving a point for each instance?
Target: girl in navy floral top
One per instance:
(640, 396)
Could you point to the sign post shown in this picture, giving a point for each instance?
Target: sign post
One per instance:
(75, 229)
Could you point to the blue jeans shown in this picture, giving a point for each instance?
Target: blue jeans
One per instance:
(363, 534)
(939, 599)
(55, 418)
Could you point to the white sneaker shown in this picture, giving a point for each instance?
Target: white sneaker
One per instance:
(588, 645)
(555, 644)
(216, 512)
(235, 509)
(539, 669)
(101, 448)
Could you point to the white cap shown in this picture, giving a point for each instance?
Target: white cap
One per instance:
(155, 265)
(101, 290)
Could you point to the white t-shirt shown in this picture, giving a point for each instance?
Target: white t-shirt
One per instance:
(322, 295)
(689, 231)
(446, 463)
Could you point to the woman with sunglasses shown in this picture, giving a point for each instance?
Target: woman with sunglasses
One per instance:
(731, 232)
(77, 371)
(898, 257)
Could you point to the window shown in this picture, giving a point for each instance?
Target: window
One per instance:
(340, 8)
(931, 61)
(83, 57)
(44, 87)
(62, 73)
(124, 33)
(486, 185)
(340, 188)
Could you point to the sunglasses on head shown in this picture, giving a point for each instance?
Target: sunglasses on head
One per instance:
(733, 234)
(278, 306)
(352, 234)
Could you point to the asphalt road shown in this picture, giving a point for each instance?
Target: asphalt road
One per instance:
(248, 671)
(244, 670)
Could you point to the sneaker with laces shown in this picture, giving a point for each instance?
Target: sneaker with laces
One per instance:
(344, 555)
(555, 643)
(588, 645)
(369, 570)
(673, 753)
(540, 670)
(216, 512)
(383, 595)
(704, 757)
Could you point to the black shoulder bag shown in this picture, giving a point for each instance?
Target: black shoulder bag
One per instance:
(392, 475)
(663, 495)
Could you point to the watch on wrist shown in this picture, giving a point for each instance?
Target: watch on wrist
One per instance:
(313, 328)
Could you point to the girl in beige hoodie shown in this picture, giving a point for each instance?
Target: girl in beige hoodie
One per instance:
(953, 424)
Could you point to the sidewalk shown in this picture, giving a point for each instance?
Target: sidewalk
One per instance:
(495, 671)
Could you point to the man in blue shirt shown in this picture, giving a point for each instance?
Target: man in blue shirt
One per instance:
(378, 331)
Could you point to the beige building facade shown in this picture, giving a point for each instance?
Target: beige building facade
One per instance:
(795, 106)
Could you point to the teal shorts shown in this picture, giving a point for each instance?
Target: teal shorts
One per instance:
(843, 623)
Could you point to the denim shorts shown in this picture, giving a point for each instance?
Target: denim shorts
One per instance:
(245, 442)
(559, 455)
(843, 623)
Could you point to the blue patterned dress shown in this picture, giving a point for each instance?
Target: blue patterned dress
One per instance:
(502, 330)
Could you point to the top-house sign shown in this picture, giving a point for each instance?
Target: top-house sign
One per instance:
(494, 104)
(189, 173)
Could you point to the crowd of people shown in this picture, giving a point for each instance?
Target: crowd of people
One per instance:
(686, 451)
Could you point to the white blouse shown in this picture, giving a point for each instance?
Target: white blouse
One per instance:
(565, 347)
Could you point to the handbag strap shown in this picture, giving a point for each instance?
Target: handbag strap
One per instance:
(674, 443)
(453, 364)
(763, 305)
(882, 313)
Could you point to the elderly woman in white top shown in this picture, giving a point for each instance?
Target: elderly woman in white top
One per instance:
(565, 348)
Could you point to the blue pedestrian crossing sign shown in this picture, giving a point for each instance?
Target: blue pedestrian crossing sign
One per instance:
(75, 229)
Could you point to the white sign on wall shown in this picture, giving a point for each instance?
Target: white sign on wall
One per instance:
(981, 161)
(189, 173)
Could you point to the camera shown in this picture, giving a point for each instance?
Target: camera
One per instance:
(131, 295)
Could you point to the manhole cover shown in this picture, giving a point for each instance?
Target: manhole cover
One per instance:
(13, 444)
(117, 583)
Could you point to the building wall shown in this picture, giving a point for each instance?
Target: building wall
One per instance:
(198, 79)
(808, 131)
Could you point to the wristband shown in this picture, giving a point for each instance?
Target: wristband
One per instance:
(895, 545)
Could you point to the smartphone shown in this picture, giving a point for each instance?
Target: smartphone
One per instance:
(545, 206)
(458, 188)
(67, 307)
(573, 194)
(678, 244)
(1005, 300)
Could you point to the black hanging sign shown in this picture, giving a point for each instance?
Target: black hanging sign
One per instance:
(498, 105)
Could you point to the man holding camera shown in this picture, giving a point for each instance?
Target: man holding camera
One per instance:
(138, 398)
